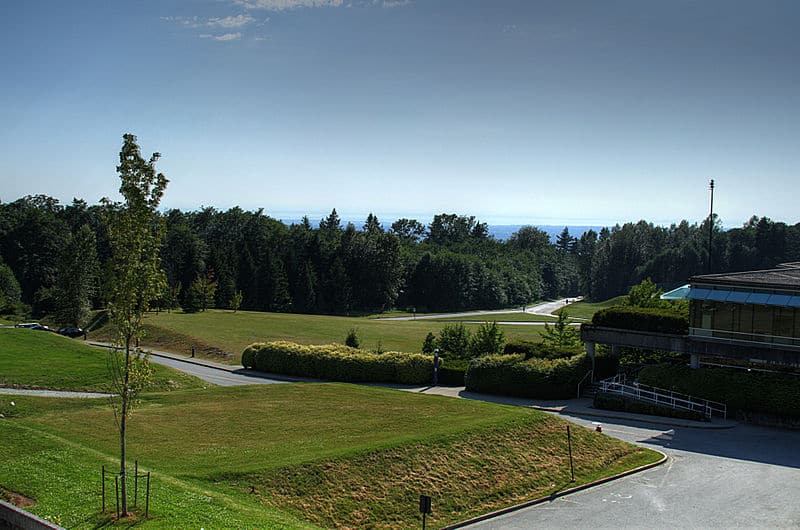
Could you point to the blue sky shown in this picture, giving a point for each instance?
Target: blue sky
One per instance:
(556, 112)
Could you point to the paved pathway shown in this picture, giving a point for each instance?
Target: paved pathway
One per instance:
(544, 309)
(51, 393)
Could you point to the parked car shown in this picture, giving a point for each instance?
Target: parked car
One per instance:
(72, 332)
(28, 325)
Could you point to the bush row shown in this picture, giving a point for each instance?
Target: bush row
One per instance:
(535, 378)
(742, 391)
(338, 363)
(642, 319)
(615, 402)
(538, 350)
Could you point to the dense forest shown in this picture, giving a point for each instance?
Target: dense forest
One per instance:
(53, 260)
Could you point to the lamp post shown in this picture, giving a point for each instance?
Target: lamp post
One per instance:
(710, 224)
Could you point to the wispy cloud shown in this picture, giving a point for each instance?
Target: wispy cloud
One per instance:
(222, 38)
(236, 21)
(396, 3)
(229, 22)
(283, 5)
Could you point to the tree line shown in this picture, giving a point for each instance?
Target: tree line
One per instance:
(54, 259)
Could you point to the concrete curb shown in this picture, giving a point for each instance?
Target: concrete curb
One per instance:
(658, 420)
(556, 495)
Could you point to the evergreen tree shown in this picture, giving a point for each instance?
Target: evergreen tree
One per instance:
(561, 334)
(488, 339)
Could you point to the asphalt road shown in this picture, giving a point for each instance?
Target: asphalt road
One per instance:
(744, 477)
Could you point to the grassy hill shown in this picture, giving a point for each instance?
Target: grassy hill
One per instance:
(224, 334)
(587, 309)
(299, 455)
(39, 359)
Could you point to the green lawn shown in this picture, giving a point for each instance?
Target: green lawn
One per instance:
(277, 456)
(224, 334)
(587, 309)
(39, 359)
(269, 456)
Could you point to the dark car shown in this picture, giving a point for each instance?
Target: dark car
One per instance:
(72, 332)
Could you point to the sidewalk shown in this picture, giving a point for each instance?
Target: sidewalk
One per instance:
(567, 407)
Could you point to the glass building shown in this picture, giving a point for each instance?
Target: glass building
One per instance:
(753, 307)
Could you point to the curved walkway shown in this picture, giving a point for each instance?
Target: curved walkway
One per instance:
(543, 309)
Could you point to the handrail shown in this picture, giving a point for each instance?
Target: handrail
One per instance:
(663, 397)
(581, 382)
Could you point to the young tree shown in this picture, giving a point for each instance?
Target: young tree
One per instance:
(135, 234)
(236, 301)
(352, 339)
(561, 334)
(430, 343)
(454, 339)
(487, 340)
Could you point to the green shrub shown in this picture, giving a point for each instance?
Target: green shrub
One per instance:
(488, 339)
(338, 363)
(519, 346)
(537, 350)
(616, 402)
(642, 319)
(535, 378)
(742, 391)
(352, 339)
(452, 372)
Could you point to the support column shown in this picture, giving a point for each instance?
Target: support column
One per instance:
(615, 350)
(694, 361)
(590, 353)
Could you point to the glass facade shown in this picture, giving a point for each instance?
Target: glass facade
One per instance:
(746, 322)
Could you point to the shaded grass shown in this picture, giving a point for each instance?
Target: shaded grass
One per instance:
(329, 454)
(39, 359)
(223, 335)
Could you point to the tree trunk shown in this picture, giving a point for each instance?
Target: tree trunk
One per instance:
(122, 428)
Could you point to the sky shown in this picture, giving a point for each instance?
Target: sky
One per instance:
(542, 112)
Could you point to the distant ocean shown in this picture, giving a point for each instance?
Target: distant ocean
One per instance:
(500, 232)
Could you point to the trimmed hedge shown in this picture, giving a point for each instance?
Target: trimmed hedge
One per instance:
(535, 378)
(642, 319)
(743, 391)
(338, 363)
(615, 402)
(538, 350)
(452, 371)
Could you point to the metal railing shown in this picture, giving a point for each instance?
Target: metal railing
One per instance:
(582, 381)
(662, 397)
(722, 335)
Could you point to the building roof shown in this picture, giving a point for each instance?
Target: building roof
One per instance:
(787, 276)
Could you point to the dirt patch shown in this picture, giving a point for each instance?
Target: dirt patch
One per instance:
(17, 499)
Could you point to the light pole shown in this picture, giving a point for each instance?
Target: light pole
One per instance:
(710, 224)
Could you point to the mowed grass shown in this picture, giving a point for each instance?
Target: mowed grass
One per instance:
(294, 455)
(517, 316)
(586, 310)
(39, 359)
(224, 334)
